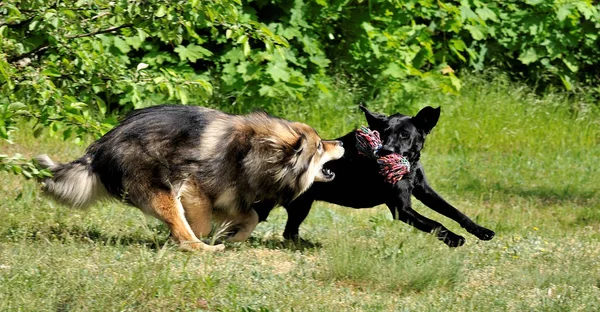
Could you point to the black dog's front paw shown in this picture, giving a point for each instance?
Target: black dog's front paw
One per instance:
(450, 239)
(291, 235)
(482, 233)
(455, 241)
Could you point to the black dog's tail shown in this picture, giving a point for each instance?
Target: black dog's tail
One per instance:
(73, 184)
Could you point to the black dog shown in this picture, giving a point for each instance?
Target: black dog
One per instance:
(358, 183)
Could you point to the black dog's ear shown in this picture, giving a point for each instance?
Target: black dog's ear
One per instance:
(375, 120)
(426, 118)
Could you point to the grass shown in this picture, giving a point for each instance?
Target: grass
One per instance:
(523, 165)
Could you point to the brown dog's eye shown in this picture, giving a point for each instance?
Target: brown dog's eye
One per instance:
(320, 146)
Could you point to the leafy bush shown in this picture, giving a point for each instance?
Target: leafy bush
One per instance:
(71, 66)
(542, 41)
(68, 65)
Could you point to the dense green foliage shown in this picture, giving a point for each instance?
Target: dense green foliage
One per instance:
(71, 65)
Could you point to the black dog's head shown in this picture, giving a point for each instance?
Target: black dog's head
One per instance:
(401, 134)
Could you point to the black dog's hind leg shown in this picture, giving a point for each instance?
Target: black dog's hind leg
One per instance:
(401, 210)
(423, 192)
(297, 211)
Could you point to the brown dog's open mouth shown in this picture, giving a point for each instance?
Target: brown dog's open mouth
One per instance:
(327, 174)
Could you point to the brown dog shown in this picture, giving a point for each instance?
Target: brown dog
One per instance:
(185, 165)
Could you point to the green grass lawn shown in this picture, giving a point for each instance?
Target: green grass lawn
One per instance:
(523, 165)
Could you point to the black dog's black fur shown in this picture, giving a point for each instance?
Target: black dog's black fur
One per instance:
(358, 183)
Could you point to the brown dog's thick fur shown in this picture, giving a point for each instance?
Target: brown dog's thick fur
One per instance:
(187, 165)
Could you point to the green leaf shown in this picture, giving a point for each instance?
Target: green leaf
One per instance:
(320, 60)
(4, 31)
(278, 72)
(78, 105)
(455, 81)
(458, 44)
(141, 34)
(587, 9)
(162, 11)
(571, 63)
(323, 87)
(564, 11)
(3, 132)
(466, 13)
(134, 42)
(242, 39)
(476, 32)
(15, 106)
(192, 52)
(27, 174)
(17, 169)
(246, 48)
(67, 134)
(486, 14)
(51, 72)
(5, 73)
(367, 27)
(393, 70)
(297, 15)
(37, 132)
(182, 94)
(266, 90)
(528, 56)
(566, 80)
(458, 54)
(420, 57)
(534, 2)
(121, 45)
(101, 105)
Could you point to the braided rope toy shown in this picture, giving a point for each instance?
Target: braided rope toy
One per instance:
(392, 167)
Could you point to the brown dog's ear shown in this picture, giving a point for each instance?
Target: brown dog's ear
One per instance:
(298, 145)
(376, 121)
(426, 118)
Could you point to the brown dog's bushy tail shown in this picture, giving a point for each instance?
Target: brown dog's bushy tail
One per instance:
(73, 184)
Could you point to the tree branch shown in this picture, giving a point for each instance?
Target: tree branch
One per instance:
(44, 46)
(19, 23)
(40, 49)
(103, 31)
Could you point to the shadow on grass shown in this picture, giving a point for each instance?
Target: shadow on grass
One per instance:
(278, 243)
(558, 195)
(69, 233)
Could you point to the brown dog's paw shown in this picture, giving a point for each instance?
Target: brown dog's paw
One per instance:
(201, 246)
(215, 248)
